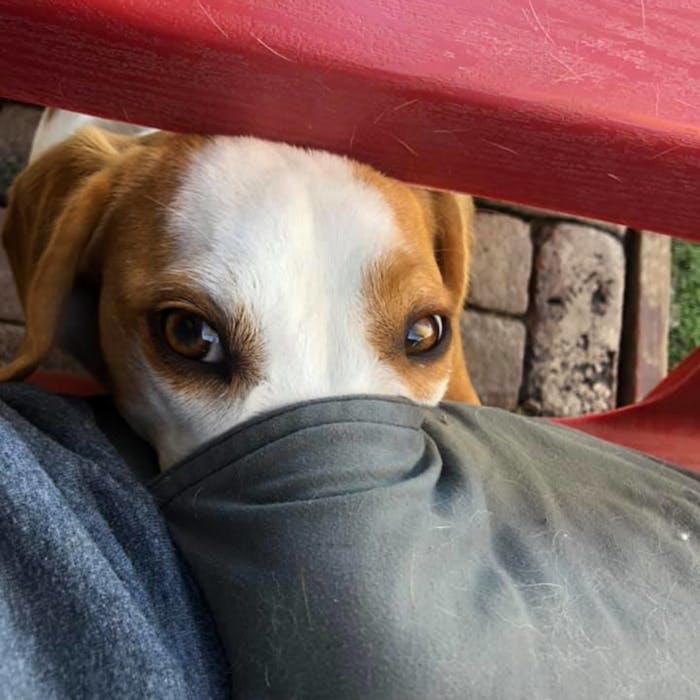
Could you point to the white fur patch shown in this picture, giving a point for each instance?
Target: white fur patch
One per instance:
(288, 234)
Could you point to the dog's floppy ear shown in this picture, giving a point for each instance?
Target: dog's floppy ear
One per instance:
(54, 207)
(452, 224)
(453, 234)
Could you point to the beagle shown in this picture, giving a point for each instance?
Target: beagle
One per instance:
(206, 279)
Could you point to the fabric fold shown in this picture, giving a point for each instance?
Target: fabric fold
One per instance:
(373, 548)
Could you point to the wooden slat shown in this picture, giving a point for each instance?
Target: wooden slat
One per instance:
(644, 347)
(585, 106)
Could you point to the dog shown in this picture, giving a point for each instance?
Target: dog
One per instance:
(206, 279)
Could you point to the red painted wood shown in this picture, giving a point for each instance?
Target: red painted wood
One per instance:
(64, 383)
(587, 106)
(664, 424)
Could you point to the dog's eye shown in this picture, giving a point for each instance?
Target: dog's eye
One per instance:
(190, 336)
(425, 334)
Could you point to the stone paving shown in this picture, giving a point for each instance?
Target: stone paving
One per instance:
(544, 317)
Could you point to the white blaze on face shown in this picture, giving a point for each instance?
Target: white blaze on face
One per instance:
(288, 235)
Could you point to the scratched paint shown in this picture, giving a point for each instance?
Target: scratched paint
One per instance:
(586, 106)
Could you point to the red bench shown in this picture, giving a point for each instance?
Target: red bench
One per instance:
(590, 108)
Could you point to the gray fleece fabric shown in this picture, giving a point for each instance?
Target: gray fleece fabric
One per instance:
(94, 600)
(350, 548)
(370, 548)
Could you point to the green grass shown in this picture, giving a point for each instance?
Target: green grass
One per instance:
(685, 305)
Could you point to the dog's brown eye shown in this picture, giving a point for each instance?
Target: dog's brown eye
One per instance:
(190, 336)
(425, 334)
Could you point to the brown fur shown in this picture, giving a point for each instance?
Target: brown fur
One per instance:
(430, 275)
(82, 215)
(91, 214)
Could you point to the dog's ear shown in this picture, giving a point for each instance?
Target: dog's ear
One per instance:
(55, 205)
(452, 223)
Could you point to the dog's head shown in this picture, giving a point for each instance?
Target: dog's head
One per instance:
(207, 279)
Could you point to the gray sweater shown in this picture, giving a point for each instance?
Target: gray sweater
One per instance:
(350, 548)
(94, 600)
